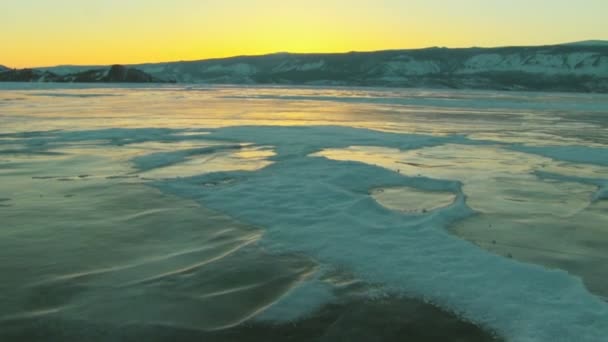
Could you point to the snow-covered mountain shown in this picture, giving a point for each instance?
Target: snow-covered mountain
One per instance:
(113, 74)
(590, 42)
(581, 66)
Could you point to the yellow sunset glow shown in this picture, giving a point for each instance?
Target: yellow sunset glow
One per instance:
(40, 32)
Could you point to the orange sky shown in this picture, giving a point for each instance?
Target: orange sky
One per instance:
(44, 33)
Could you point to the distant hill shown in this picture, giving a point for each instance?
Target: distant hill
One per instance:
(590, 42)
(577, 67)
(113, 74)
(3, 68)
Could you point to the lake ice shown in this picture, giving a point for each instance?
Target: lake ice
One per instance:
(206, 208)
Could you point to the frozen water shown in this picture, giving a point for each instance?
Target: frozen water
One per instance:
(322, 208)
(412, 200)
(205, 207)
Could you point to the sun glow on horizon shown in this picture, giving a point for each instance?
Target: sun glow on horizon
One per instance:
(44, 33)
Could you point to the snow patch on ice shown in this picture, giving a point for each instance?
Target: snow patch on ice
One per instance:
(322, 208)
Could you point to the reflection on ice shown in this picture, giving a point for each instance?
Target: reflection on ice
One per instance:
(190, 134)
(322, 207)
(467, 163)
(576, 243)
(560, 117)
(112, 250)
(246, 159)
(548, 221)
(527, 196)
(412, 200)
(533, 139)
(249, 195)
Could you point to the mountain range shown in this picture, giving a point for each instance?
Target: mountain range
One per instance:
(577, 67)
(113, 74)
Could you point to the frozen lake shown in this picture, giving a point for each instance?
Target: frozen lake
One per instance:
(247, 213)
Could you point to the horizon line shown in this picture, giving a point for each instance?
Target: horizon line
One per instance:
(601, 41)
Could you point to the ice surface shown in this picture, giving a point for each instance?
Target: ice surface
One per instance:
(576, 243)
(301, 301)
(210, 160)
(521, 214)
(110, 250)
(407, 199)
(284, 183)
(323, 208)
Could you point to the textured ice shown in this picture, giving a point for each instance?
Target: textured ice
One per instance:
(528, 207)
(111, 250)
(322, 208)
(575, 243)
(473, 165)
(205, 160)
(577, 154)
(527, 173)
(299, 302)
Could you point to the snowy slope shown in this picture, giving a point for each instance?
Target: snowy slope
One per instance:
(574, 68)
(590, 42)
(113, 74)
(570, 67)
(579, 63)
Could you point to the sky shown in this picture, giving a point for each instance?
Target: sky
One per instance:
(90, 32)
